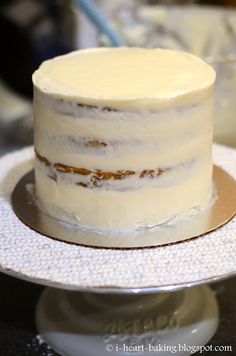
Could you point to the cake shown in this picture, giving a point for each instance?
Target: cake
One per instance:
(123, 137)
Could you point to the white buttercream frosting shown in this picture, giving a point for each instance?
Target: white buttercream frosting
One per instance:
(146, 114)
(124, 77)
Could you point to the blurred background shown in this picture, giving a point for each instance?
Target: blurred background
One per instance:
(35, 30)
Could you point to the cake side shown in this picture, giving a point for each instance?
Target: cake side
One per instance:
(110, 168)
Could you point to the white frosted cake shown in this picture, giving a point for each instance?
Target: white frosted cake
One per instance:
(123, 137)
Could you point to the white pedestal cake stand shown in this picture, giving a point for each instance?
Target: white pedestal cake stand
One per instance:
(118, 302)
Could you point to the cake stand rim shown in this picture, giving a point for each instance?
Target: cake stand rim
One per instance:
(117, 290)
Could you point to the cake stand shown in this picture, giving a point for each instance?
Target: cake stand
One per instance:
(119, 302)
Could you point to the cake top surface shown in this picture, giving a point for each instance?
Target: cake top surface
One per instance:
(124, 75)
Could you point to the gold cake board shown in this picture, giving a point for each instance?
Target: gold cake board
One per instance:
(219, 213)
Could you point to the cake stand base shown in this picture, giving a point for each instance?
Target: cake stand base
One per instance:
(87, 324)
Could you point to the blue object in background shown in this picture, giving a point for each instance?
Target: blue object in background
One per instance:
(95, 16)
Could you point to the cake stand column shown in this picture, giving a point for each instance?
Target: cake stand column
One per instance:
(87, 324)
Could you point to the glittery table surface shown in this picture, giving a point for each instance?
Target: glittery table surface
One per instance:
(32, 256)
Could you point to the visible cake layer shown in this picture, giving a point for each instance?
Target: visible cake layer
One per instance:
(120, 180)
(128, 140)
(128, 209)
(123, 137)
